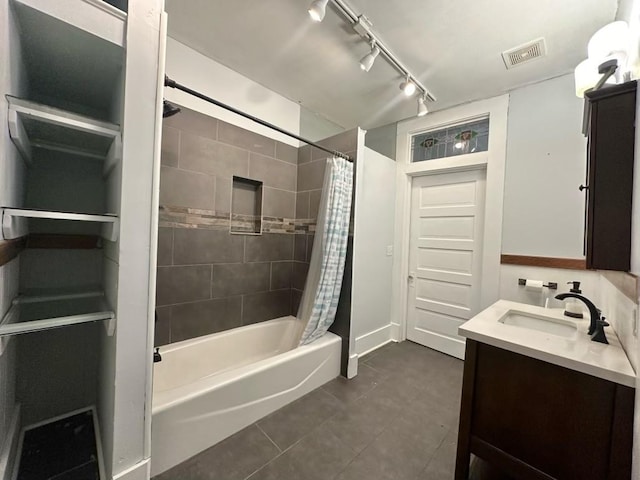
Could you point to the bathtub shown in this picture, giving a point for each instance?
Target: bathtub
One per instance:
(211, 387)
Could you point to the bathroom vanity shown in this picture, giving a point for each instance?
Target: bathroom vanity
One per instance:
(540, 400)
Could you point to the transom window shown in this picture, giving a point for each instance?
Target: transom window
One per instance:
(461, 139)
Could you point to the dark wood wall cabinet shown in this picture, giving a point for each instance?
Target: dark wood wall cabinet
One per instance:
(610, 128)
(538, 421)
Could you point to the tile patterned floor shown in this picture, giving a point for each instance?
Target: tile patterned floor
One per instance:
(397, 420)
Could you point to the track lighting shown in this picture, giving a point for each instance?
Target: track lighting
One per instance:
(408, 87)
(367, 61)
(422, 108)
(317, 9)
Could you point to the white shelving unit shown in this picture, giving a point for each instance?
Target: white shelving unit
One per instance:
(80, 106)
(93, 16)
(14, 221)
(45, 311)
(34, 125)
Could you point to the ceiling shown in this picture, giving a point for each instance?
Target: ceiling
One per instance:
(453, 47)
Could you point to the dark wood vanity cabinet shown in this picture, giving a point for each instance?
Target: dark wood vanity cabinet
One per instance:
(610, 128)
(538, 421)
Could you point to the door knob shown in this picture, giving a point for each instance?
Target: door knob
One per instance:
(583, 187)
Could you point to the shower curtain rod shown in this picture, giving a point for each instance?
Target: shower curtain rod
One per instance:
(173, 84)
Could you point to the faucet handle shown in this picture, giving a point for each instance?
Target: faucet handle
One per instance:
(602, 322)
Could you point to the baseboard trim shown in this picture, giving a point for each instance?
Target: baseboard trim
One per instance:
(10, 447)
(140, 471)
(373, 340)
(352, 366)
(396, 332)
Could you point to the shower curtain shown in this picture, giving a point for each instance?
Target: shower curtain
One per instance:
(324, 280)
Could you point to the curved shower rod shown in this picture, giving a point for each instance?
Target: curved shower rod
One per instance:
(173, 84)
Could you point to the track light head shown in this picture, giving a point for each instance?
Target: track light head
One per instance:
(367, 61)
(317, 10)
(408, 87)
(422, 107)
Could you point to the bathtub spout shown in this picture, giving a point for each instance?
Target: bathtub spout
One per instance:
(156, 355)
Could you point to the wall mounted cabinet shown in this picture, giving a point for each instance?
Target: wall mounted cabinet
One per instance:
(610, 128)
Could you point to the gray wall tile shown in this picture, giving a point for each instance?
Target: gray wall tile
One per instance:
(302, 205)
(258, 307)
(214, 158)
(238, 278)
(279, 203)
(165, 246)
(202, 318)
(311, 175)
(194, 245)
(269, 247)
(310, 239)
(314, 203)
(342, 142)
(242, 138)
(281, 275)
(247, 198)
(183, 284)
(170, 146)
(304, 154)
(162, 332)
(274, 173)
(186, 189)
(300, 248)
(223, 195)
(296, 297)
(299, 276)
(194, 122)
(286, 153)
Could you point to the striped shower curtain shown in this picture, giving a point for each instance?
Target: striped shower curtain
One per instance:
(324, 280)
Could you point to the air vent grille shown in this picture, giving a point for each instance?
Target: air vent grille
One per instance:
(524, 53)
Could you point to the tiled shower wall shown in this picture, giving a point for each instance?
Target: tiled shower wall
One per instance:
(208, 279)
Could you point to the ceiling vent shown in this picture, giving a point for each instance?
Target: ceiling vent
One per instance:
(524, 53)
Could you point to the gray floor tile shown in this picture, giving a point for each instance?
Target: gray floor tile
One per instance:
(318, 456)
(443, 462)
(350, 390)
(234, 458)
(364, 419)
(391, 456)
(289, 424)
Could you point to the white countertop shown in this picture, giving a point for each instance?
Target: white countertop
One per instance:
(577, 352)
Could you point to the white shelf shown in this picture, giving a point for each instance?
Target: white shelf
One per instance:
(15, 225)
(93, 16)
(34, 125)
(55, 309)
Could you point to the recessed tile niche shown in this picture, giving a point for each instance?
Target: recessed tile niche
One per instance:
(246, 206)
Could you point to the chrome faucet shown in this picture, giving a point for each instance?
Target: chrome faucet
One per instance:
(597, 324)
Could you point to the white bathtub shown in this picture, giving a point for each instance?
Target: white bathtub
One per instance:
(208, 388)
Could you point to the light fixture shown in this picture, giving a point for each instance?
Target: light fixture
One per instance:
(422, 108)
(317, 10)
(408, 87)
(367, 61)
(608, 56)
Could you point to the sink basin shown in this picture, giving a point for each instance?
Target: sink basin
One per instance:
(552, 326)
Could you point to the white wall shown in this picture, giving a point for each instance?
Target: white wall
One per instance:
(546, 162)
(373, 233)
(194, 70)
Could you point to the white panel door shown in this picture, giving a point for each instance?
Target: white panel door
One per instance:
(445, 258)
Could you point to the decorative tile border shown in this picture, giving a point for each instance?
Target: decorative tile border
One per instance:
(185, 217)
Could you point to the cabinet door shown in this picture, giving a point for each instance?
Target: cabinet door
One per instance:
(610, 177)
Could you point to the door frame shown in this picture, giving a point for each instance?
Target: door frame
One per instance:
(493, 161)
